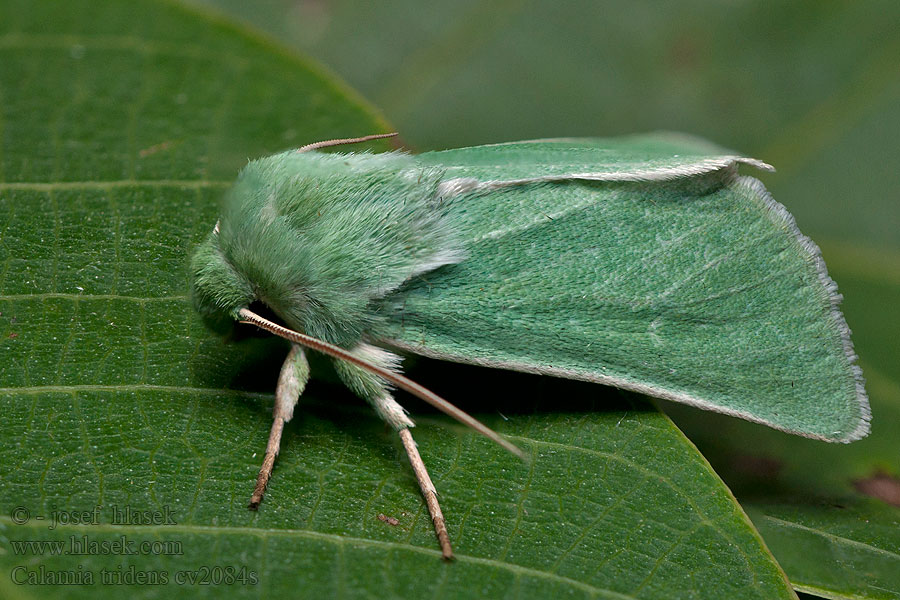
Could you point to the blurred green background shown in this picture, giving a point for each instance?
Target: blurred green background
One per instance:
(811, 87)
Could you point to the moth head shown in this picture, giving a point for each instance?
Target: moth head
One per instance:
(218, 291)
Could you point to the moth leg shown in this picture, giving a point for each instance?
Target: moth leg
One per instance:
(375, 391)
(291, 382)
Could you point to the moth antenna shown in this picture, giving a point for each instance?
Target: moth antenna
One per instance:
(399, 380)
(340, 142)
(427, 487)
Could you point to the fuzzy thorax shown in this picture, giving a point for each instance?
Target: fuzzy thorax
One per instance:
(319, 237)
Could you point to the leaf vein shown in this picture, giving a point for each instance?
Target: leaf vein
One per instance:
(335, 539)
(832, 537)
(42, 186)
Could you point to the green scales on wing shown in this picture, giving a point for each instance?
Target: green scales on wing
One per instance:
(646, 263)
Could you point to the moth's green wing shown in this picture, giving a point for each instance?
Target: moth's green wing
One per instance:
(645, 263)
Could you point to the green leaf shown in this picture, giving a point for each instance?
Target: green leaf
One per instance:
(849, 550)
(121, 124)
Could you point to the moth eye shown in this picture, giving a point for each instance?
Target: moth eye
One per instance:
(216, 229)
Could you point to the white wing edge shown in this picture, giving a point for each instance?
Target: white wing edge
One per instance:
(460, 185)
(814, 254)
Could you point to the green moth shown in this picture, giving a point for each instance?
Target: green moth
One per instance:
(646, 263)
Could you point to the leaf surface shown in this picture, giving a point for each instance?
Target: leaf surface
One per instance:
(811, 89)
(121, 124)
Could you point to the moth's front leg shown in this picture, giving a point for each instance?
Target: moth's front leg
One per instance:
(374, 390)
(291, 383)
